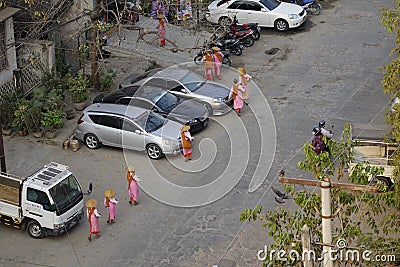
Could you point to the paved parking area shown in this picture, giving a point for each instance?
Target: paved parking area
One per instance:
(326, 70)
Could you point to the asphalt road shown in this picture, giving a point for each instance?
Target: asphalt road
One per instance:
(328, 69)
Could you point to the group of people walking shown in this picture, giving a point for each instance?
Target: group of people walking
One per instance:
(110, 203)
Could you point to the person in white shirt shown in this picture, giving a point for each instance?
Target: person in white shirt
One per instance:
(328, 134)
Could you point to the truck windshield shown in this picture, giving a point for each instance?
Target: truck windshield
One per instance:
(66, 194)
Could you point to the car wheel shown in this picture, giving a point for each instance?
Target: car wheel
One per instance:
(224, 21)
(35, 230)
(281, 25)
(154, 151)
(92, 141)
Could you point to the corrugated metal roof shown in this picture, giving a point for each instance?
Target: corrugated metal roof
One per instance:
(7, 12)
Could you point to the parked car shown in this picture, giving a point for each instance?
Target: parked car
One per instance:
(267, 13)
(189, 85)
(162, 102)
(128, 127)
(135, 77)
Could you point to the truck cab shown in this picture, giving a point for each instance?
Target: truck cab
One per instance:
(377, 153)
(48, 202)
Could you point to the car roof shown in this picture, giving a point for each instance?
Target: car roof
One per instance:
(172, 73)
(115, 109)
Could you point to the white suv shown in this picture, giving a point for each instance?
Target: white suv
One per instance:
(267, 13)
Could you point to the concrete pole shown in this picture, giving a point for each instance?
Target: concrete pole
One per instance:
(306, 243)
(2, 155)
(326, 221)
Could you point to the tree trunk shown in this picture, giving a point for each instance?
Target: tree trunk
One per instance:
(93, 58)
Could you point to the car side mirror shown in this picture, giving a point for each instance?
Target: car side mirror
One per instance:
(53, 207)
(264, 10)
(183, 90)
(138, 132)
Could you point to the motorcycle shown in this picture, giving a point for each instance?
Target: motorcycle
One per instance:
(311, 6)
(198, 59)
(235, 26)
(244, 36)
(232, 45)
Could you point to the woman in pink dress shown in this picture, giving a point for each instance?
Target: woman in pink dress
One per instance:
(217, 58)
(133, 188)
(93, 217)
(110, 202)
(161, 30)
(236, 93)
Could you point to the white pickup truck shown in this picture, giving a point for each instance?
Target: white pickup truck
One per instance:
(377, 153)
(48, 202)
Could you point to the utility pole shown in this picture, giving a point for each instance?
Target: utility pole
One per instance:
(326, 216)
(2, 155)
(306, 242)
(326, 213)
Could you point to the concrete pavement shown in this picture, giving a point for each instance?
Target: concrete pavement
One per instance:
(328, 70)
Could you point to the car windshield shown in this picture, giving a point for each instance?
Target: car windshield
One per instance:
(192, 81)
(270, 4)
(154, 122)
(166, 101)
(150, 121)
(66, 194)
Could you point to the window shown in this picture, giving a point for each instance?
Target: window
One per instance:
(238, 5)
(106, 120)
(110, 121)
(130, 127)
(254, 6)
(3, 50)
(270, 4)
(38, 197)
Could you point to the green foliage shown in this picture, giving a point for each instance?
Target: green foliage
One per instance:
(21, 114)
(77, 87)
(363, 219)
(52, 119)
(7, 109)
(106, 78)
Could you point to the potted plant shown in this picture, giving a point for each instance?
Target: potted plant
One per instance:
(7, 109)
(34, 121)
(106, 78)
(21, 116)
(52, 119)
(77, 88)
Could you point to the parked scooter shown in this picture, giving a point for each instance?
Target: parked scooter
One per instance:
(311, 6)
(244, 36)
(232, 45)
(235, 26)
(226, 59)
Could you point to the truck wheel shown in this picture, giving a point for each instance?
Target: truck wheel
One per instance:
(35, 230)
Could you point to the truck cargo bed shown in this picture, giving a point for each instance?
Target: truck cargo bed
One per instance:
(9, 194)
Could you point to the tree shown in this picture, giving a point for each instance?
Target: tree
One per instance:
(365, 220)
